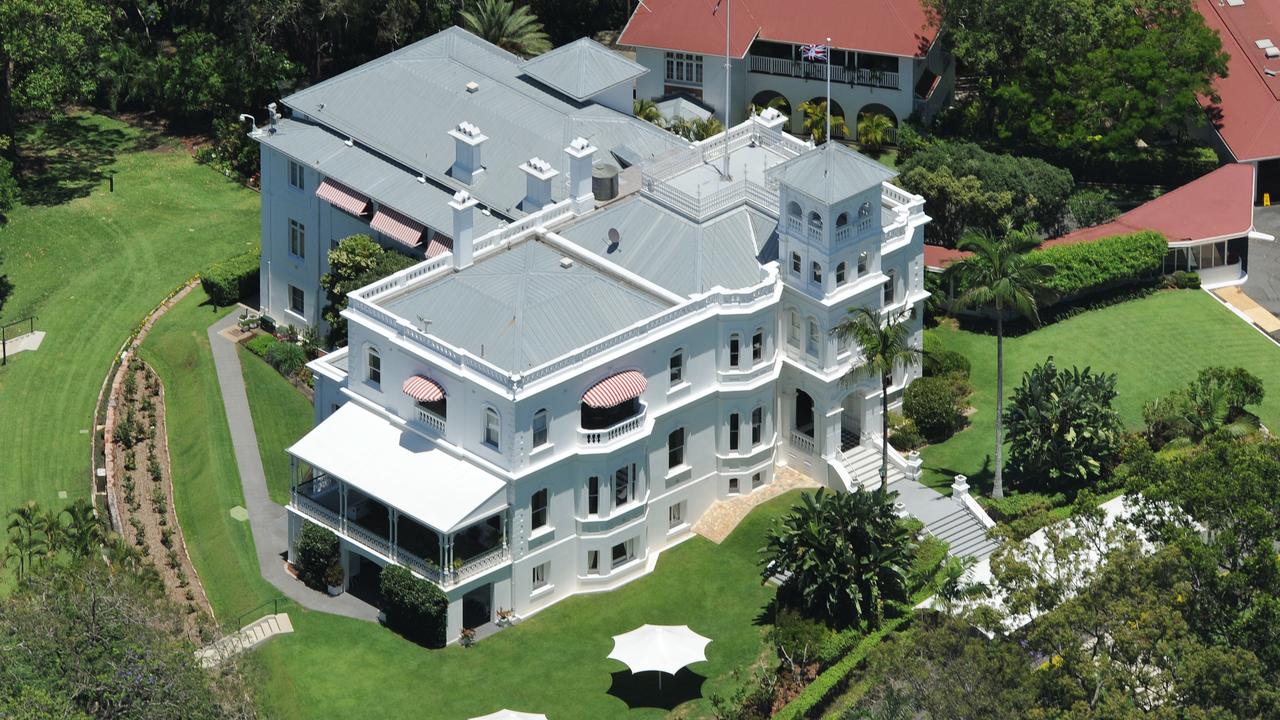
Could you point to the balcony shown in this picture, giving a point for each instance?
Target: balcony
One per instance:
(604, 426)
(818, 71)
(429, 419)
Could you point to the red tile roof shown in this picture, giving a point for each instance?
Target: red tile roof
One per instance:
(892, 27)
(1248, 116)
(1216, 205)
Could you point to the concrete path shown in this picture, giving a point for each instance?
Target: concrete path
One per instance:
(22, 343)
(1258, 315)
(246, 638)
(1263, 284)
(724, 515)
(267, 520)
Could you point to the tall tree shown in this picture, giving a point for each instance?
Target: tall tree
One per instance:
(873, 131)
(1000, 277)
(26, 541)
(815, 121)
(510, 27)
(357, 261)
(83, 531)
(886, 347)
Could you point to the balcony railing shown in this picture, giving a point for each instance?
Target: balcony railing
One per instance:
(316, 511)
(428, 570)
(604, 436)
(431, 420)
(818, 71)
(802, 442)
(368, 538)
(478, 564)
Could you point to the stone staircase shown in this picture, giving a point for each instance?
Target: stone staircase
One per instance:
(863, 465)
(244, 639)
(964, 535)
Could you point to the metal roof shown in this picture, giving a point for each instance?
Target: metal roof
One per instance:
(582, 68)
(672, 251)
(832, 172)
(681, 107)
(521, 307)
(369, 174)
(404, 104)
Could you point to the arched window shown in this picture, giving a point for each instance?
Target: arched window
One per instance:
(815, 337)
(862, 263)
(840, 274)
(889, 286)
(842, 219)
(540, 428)
(735, 350)
(675, 368)
(795, 263)
(817, 273)
(793, 209)
(793, 336)
(815, 220)
(373, 366)
(492, 431)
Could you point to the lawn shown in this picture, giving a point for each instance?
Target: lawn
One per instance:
(90, 263)
(281, 416)
(1154, 345)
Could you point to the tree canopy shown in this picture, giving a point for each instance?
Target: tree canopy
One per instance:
(357, 261)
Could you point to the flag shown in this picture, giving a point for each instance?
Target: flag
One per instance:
(813, 52)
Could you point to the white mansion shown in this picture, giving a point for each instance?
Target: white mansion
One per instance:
(570, 378)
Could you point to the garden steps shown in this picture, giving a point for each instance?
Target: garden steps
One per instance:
(863, 465)
(244, 639)
(964, 535)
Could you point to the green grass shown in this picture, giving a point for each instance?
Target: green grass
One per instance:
(281, 416)
(1154, 345)
(90, 264)
(206, 484)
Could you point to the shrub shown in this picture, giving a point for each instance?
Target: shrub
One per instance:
(905, 436)
(415, 608)
(1091, 207)
(315, 549)
(927, 559)
(934, 404)
(229, 280)
(1186, 280)
(286, 358)
(1088, 267)
(801, 638)
(946, 363)
(260, 344)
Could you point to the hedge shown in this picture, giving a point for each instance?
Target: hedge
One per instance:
(834, 679)
(1087, 267)
(286, 357)
(315, 549)
(230, 280)
(415, 608)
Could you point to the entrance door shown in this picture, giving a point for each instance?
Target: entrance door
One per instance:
(477, 606)
(804, 413)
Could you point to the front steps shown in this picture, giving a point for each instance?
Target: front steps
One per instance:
(863, 465)
(964, 535)
(244, 639)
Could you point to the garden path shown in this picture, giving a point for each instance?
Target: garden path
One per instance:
(724, 515)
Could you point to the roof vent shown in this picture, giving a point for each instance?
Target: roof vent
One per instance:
(473, 86)
(1264, 43)
(350, 143)
(566, 262)
(1273, 52)
(1269, 72)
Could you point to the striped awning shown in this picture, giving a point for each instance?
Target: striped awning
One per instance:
(615, 389)
(422, 389)
(398, 227)
(342, 197)
(439, 245)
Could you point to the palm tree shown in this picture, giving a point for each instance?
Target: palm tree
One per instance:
(696, 129)
(815, 121)
(843, 555)
(83, 531)
(646, 110)
(25, 541)
(1002, 277)
(50, 524)
(874, 131)
(510, 27)
(885, 347)
(954, 585)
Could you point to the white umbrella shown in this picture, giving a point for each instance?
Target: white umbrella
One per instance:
(661, 648)
(511, 715)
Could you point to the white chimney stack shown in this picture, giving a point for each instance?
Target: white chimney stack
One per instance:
(772, 118)
(466, 161)
(580, 153)
(538, 175)
(463, 228)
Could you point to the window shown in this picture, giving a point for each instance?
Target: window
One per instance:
(793, 336)
(734, 350)
(862, 263)
(684, 67)
(675, 449)
(840, 274)
(624, 487)
(733, 486)
(815, 220)
(842, 220)
(864, 211)
(491, 431)
(757, 345)
(675, 515)
(757, 426)
(373, 366)
(593, 495)
(793, 209)
(297, 239)
(593, 562)
(756, 481)
(538, 509)
(811, 346)
(540, 573)
(297, 302)
(733, 431)
(888, 287)
(795, 263)
(296, 178)
(817, 273)
(675, 367)
(624, 552)
(540, 428)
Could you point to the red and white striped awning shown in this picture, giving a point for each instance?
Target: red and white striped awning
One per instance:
(422, 389)
(398, 227)
(342, 197)
(439, 244)
(615, 389)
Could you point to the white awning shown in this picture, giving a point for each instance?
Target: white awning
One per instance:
(401, 469)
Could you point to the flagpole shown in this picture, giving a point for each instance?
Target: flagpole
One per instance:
(829, 54)
(728, 9)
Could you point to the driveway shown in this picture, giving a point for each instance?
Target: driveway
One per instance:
(1263, 284)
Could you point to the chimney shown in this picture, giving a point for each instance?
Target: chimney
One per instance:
(538, 175)
(580, 153)
(463, 228)
(466, 160)
(772, 119)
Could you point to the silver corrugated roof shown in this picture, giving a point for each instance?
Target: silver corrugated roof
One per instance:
(519, 308)
(582, 69)
(832, 172)
(404, 103)
(368, 174)
(681, 107)
(671, 251)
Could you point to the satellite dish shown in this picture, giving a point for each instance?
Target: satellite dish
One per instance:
(614, 238)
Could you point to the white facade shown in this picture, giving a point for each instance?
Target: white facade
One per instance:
(738, 381)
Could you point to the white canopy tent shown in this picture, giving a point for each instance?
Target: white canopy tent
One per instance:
(511, 715)
(660, 648)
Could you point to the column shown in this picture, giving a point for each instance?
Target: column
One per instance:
(293, 475)
(342, 506)
(393, 533)
(503, 517)
(440, 543)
